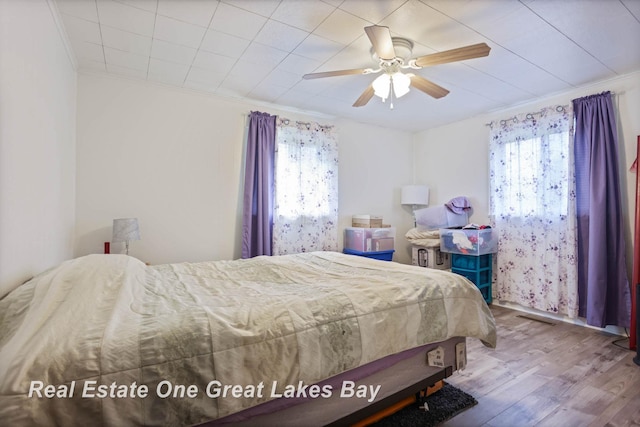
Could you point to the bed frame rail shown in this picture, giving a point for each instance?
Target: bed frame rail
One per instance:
(392, 399)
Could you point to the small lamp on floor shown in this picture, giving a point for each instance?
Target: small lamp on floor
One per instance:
(125, 230)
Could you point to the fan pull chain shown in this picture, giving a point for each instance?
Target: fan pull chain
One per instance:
(391, 93)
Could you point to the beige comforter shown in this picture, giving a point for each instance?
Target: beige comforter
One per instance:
(110, 320)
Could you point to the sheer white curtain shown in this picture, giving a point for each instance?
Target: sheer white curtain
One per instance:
(306, 188)
(532, 206)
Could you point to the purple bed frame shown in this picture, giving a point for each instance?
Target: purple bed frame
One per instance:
(400, 375)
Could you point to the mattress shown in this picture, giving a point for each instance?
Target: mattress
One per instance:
(116, 342)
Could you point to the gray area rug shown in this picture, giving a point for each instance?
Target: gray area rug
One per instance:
(443, 405)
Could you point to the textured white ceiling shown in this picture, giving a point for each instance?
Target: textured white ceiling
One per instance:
(259, 49)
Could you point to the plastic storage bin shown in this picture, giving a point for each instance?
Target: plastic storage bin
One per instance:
(381, 255)
(369, 239)
(469, 241)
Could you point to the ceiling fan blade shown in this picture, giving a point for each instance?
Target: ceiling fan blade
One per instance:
(365, 97)
(380, 38)
(453, 55)
(335, 73)
(428, 87)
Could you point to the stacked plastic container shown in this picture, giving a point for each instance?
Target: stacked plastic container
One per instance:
(376, 243)
(471, 251)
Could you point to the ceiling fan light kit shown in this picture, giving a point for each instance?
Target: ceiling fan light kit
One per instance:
(382, 86)
(397, 81)
(392, 55)
(401, 83)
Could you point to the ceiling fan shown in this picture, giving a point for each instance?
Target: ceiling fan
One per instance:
(393, 55)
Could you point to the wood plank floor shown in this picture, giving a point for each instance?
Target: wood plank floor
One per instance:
(549, 375)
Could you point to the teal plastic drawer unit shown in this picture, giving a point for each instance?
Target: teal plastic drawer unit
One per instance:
(475, 268)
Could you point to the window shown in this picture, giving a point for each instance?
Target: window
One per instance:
(306, 189)
(522, 169)
(304, 176)
(532, 207)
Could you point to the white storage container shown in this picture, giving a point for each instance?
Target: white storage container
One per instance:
(430, 257)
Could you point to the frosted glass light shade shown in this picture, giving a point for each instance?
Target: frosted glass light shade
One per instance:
(415, 195)
(382, 86)
(401, 84)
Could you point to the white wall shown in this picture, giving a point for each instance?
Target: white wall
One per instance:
(37, 142)
(170, 158)
(375, 163)
(455, 157)
(453, 161)
(173, 159)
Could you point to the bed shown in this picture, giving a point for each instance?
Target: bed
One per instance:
(108, 340)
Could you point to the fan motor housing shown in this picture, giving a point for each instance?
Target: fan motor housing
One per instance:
(402, 46)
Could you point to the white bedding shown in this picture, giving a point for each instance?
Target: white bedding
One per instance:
(426, 238)
(305, 317)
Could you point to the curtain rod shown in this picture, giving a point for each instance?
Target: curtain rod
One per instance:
(529, 116)
(286, 121)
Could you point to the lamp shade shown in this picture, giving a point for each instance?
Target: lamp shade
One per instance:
(383, 83)
(415, 195)
(382, 86)
(125, 229)
(401, 83)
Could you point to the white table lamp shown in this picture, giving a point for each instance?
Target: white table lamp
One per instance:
(415, 195)
(125, 230)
